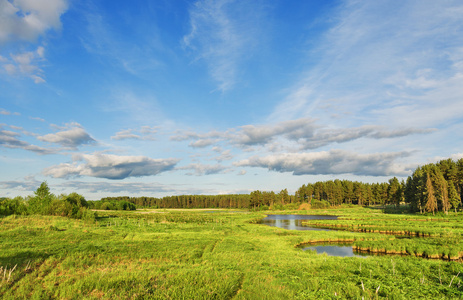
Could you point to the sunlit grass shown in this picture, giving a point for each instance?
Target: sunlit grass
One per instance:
(194, 254)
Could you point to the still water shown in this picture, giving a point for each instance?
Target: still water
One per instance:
(334, 250)
(294, 222)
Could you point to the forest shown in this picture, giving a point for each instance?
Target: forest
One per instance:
(431, 188)
(434, 187)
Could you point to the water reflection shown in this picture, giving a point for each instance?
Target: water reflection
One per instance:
(294, 222)
(334, 250)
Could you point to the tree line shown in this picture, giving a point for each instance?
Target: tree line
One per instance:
(431, 188)
(183, 201)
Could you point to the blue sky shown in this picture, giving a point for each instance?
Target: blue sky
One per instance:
(155, 98)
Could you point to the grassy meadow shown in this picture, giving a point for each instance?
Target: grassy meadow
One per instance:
(196, 254)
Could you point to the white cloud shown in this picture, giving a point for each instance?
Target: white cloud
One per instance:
(22, 22)
(28, 19)
(301, 133)
(332, 162)
(69, 138)
(111, 166)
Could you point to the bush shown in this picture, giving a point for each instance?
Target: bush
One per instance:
(320, 204)
(291, 206)
(87, 215)
(15, 206)
(264, 207)
(304, 206)
(107, 206)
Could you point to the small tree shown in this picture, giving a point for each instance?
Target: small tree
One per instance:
(40, 203)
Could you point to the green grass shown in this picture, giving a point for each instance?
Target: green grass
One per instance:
(198, 255)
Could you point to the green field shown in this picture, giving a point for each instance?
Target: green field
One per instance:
(195, 254)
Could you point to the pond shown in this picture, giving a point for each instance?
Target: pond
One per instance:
(342, 250)
(294, 222)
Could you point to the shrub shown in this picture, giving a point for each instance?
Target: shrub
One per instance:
(291, 206)
(264, 207)
(320, 204)
(304, 206)
(87, 215)
(14, 206)
(107, 206)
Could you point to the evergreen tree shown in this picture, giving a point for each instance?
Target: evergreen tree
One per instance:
(431, 202)
(393, 191)
(454, 197)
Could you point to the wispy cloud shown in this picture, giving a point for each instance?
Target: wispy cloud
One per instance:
(8, 113)
(383, 64)
(11, 140)
(144, 133)
(223, 34)
(135, 55)
(28, 184)
(203, 169)
(27, 64)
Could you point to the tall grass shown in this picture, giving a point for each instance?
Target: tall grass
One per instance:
(197, 255)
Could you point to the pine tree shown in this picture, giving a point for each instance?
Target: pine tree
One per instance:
(454, 197)
(431, 202)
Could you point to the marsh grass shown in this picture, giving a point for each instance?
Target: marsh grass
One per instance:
(198, 255)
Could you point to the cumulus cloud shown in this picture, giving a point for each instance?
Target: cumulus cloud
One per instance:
(26, 20)
(69, 137)
(305, 133)
(263, 134)
(332, 162)
(111, 166)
